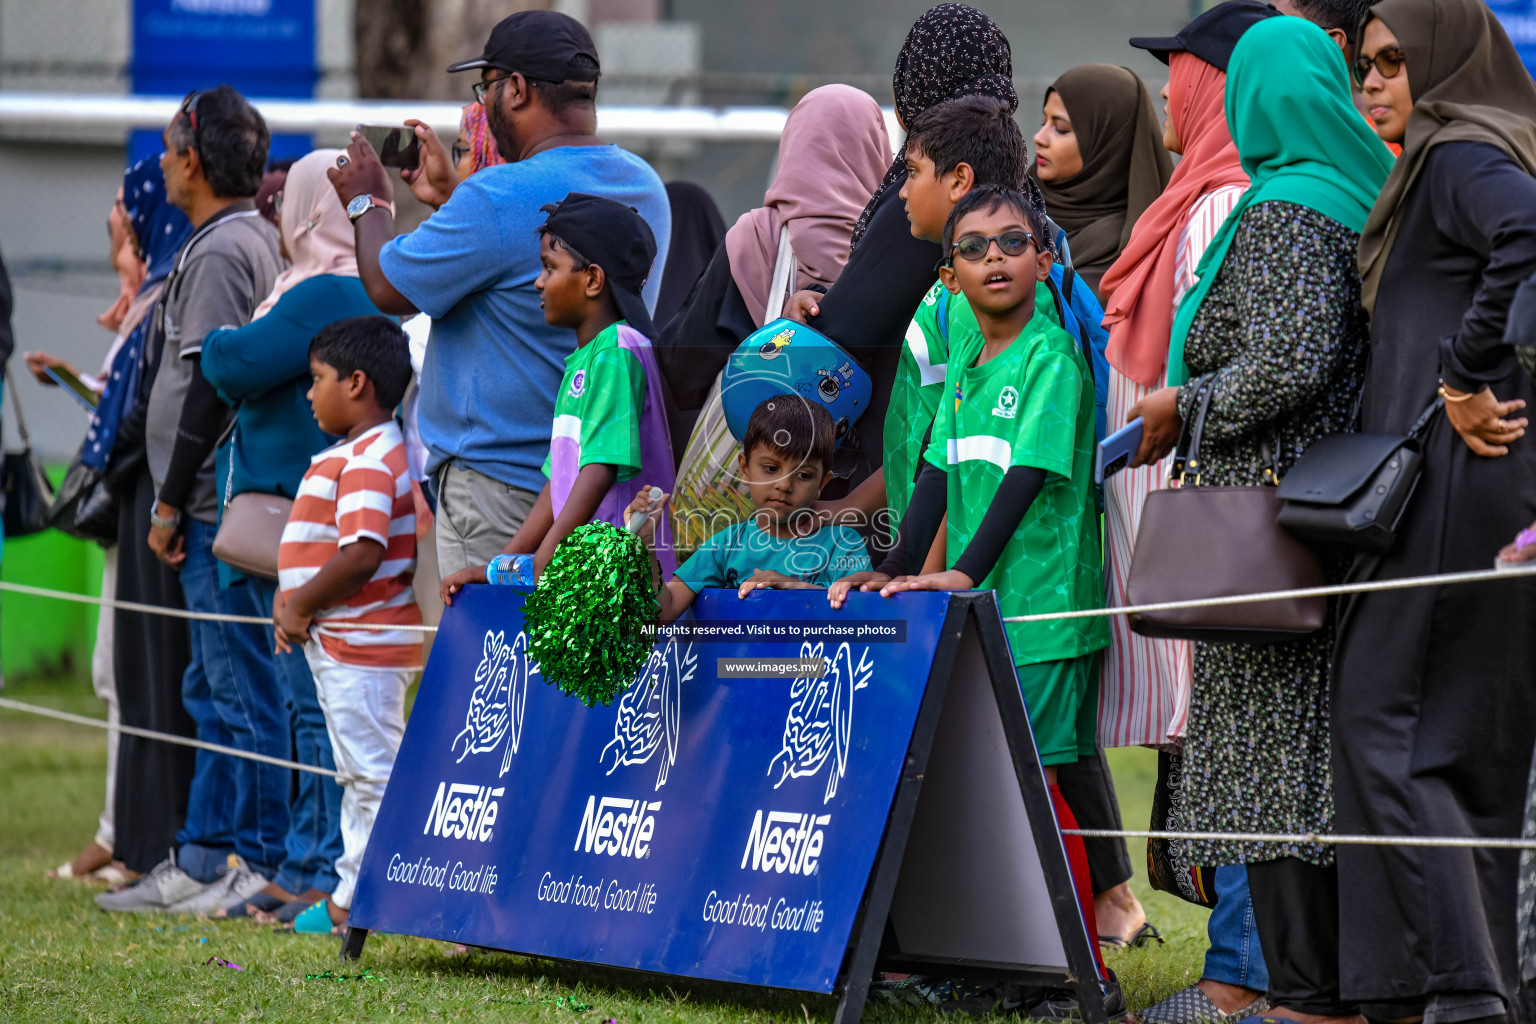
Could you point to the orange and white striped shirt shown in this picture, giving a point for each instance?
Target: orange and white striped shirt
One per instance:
(355, 490)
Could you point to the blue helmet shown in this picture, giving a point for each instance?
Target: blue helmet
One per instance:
(785, 357)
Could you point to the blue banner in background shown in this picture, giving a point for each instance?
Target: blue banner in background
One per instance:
(701, 826)
(1519, 20)
(261, 47)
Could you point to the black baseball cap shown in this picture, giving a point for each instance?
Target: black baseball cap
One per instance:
(540, 45)
(1213, 35)
(612, 236)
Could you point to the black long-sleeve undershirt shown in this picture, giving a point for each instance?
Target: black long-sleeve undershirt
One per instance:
(203, 419)
(1017, 491)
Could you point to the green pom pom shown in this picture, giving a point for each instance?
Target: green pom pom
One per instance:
(586, 620)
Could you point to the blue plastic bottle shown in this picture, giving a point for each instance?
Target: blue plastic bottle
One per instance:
(510, 570)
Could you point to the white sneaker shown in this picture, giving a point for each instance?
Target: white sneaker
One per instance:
(243, 885)
(157, 891)
(237, 884)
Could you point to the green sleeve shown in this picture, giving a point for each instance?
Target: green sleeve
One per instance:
(706, 567)
(1045, 429)
(610, 424)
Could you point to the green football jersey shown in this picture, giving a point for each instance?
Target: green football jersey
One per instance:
(920, 382)
(1031, 405)
(597, 413)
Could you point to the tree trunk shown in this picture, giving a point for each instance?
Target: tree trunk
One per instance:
(404, 45)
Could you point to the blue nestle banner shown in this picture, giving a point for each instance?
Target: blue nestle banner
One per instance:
(702, 826)
(261, 47)
(1519, 20)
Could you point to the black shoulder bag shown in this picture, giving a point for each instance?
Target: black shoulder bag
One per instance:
(1352, 489)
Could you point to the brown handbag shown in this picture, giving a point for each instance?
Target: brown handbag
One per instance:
(251, 529)
(1197, 543)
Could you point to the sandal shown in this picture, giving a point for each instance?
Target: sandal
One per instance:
(1140, 937)
(317, 921)
(94, 862)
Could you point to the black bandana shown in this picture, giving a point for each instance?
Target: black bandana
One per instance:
(953, 50)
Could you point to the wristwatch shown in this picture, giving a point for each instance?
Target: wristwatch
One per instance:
(365, 202)
(160, 522)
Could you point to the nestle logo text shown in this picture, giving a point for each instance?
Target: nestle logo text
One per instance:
(618, 827)
(463, 811)
(785, 841)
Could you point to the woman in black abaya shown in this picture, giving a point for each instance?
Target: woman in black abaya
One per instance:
(1433, 704)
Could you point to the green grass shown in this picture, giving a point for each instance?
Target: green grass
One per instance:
(63, 960)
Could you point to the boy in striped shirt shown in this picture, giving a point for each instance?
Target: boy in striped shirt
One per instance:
(347, 557)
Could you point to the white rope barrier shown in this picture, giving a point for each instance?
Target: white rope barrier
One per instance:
(340, 627)
(1296, 838)
(1405, 583)
(1444, 579)
(1318, 838)
(165, 737)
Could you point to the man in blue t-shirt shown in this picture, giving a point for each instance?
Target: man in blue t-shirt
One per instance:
(493, 365)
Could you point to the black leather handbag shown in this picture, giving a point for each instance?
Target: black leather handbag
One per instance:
(85, 506)
(1352, 489)
(27, 491)
(1197, 543)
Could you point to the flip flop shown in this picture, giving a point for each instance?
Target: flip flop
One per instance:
(317, 921)
(1140, 937)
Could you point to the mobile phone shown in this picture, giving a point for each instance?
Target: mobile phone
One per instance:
(74, 387)
(1117, 450)
(396, 144)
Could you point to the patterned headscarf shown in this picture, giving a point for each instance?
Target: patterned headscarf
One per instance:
(160, 229)
(953, 50)
(159, 226)
(482, 147)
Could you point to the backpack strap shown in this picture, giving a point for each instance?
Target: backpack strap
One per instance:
(1068, 279)
(1078, 330)
(943, 310)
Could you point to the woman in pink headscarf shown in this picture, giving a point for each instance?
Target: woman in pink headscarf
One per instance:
(832, 155)
(475, 148)
(1145, 683)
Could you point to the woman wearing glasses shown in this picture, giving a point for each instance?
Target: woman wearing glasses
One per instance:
(1273, 337)
(1434, 708)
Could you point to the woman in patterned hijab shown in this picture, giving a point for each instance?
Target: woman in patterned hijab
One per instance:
(953, 50)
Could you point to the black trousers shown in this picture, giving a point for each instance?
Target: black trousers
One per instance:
(149, 657)
(1296, 910)
(1089, 790)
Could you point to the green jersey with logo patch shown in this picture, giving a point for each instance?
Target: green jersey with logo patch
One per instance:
(920, 382)
(1031, 405)
(597, 412)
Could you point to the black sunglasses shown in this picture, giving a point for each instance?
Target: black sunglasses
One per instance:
(481, 87)
(1389, 61)
(460, 151)
(975, 247)
(189, 107)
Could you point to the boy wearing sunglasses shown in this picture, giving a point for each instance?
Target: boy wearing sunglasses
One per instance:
(1013, 444)
(1008, 481)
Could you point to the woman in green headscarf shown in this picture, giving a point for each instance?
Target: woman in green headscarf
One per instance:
(1274, 332)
